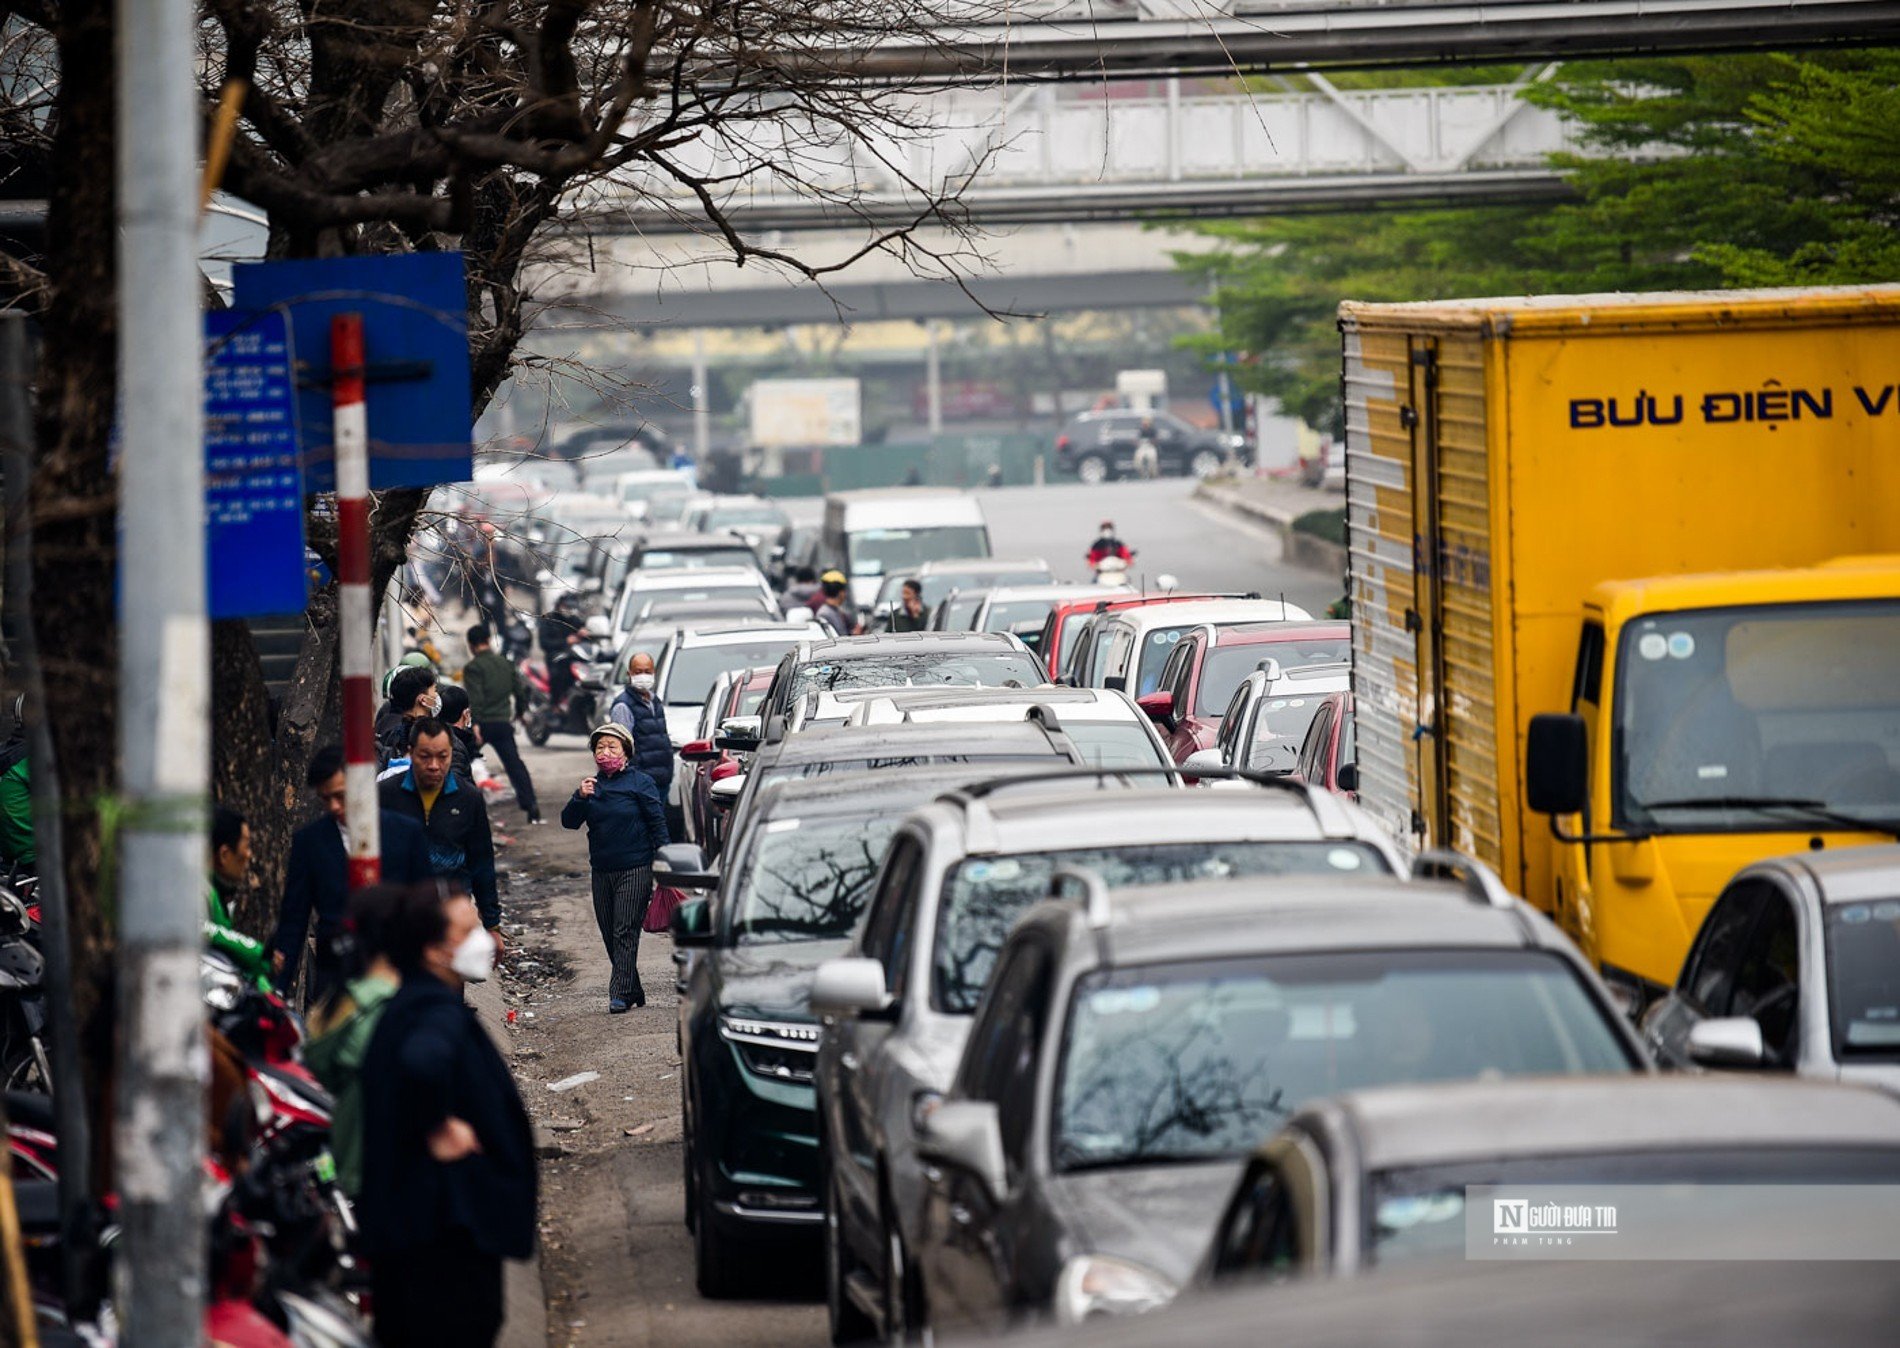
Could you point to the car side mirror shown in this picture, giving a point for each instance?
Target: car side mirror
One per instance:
(1727, 1041)
(683, 866)
(738, 734)
(1115, 682)
(1346, 777)
(1158, 706)
(726, 790)
(1203, 760)
(698, 751)
(1556, 764)
(692, 923)
(967, 1134)
(843, 988)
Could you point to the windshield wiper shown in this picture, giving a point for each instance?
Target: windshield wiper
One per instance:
(1815, 809)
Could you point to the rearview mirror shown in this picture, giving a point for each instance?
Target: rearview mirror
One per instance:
(1726, 1041)
(698, 751)
(682, 866)
(968, 1135)
(738, 734)
(1556, 764)
(849, 987)
(1158, 706)
(1203, 760)
(725, 791)
(692, 923)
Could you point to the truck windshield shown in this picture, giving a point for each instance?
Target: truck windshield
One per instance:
(879, 552)
(1775, 717)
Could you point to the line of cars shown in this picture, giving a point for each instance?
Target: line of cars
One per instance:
(994, 1006)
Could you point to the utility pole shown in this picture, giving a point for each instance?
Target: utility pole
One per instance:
(350, 427)
(164, 679)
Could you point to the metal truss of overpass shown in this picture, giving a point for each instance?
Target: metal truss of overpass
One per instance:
(1046, 154)
(1098, 39)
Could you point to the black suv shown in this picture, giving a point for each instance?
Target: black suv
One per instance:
(1097, 446)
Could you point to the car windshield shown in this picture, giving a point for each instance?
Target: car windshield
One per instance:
(1186, 1062)
(1759, 719)
(939, 584)
(732, 517)
(808, 879)
(1003, 617)
(1279, 731)
(966, 669)
(1115, 744)
(695, 559)
(1418, 1214)
(983, 896)
(879, 552)
(689, 675)
(838, 766)
(1226, 666)
(1863, 978)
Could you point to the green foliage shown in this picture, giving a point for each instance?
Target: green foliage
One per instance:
(1327, 524)
(1706, 172)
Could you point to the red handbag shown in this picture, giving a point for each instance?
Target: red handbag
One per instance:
(660, 908)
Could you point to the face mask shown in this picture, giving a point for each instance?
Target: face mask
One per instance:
(474, 959)
(642, 683)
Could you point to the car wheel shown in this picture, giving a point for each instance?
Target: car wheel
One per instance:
(848, 1323)
(1093, 470)
(1205, 463)
(716, 1272)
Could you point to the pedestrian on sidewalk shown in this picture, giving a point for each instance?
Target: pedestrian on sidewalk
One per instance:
(497, 694)
(452, 814)
(625, 819)
(412, 697)
(643, 717)
(448, 1157)
(342, 1026)
(317, 876)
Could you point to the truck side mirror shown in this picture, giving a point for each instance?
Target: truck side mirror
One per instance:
(1556, 764)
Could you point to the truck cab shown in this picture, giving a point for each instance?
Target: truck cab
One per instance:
(1714, 720)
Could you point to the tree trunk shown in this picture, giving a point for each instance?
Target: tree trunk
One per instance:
(74, 517)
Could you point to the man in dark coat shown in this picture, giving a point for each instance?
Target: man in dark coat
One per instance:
(640, 711)
(452, 814)
(317, 878)
(448, 1156)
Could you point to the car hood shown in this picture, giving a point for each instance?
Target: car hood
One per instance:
(772, 982)
(1158, 1216)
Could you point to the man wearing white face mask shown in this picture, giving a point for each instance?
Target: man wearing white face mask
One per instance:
(645, 719)
(448, 1157)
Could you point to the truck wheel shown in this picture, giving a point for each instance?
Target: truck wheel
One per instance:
(1205, 463)
(1093, 470)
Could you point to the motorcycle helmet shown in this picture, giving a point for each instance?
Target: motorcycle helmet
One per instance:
(598, 626)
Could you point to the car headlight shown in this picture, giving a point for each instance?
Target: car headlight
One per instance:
(781, 1050)
(1100, 1284)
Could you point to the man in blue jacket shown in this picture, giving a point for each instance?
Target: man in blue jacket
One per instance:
(317, 879)
(645, 719)
(626, 824)
(448, 1157)
(451, 813)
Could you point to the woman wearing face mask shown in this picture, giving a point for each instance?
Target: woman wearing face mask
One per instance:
(625, 817)
(448, 1157)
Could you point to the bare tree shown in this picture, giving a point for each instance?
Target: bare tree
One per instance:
(381, 126)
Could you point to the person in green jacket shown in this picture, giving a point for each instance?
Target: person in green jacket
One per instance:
(341, 1029)
(230, 872)
(16, 816)
(497, 693)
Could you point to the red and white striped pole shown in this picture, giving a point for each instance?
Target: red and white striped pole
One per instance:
(350, 423)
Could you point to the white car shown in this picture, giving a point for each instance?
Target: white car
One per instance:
(1268, 716)
(1108, 728)
(708, 583)
(1129, 648)
(694, 658)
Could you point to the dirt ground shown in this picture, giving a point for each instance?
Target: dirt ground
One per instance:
(617, 1260)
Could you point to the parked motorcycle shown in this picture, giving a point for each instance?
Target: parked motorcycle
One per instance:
(23, 1061)
(583, 702)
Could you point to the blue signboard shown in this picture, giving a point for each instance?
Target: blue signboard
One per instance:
(254, 553)
(415, 338)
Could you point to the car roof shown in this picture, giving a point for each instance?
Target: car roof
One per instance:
(1293, 914)
(930, 706)
(1297, 629)
(739, 636)
(1848, 874)
(1075, 589)
(686, 540)
(1427, 1125)
(1205, 611)
(701, 577)
(900, 643)
(980, 565)
(1121, 601)
(1065, 814)
(853, 793)
(824, 744)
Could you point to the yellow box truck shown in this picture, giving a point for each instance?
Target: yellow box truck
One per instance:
(1625, 573)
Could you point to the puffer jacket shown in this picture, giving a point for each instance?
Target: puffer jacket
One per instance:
(652, 747)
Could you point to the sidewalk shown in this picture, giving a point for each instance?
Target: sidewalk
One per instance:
(1275, 503)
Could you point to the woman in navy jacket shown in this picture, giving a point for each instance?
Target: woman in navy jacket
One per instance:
(625, 817)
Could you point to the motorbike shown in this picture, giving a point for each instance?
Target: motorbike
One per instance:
(1112, 570)
(580, 707)
(23, 1061)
